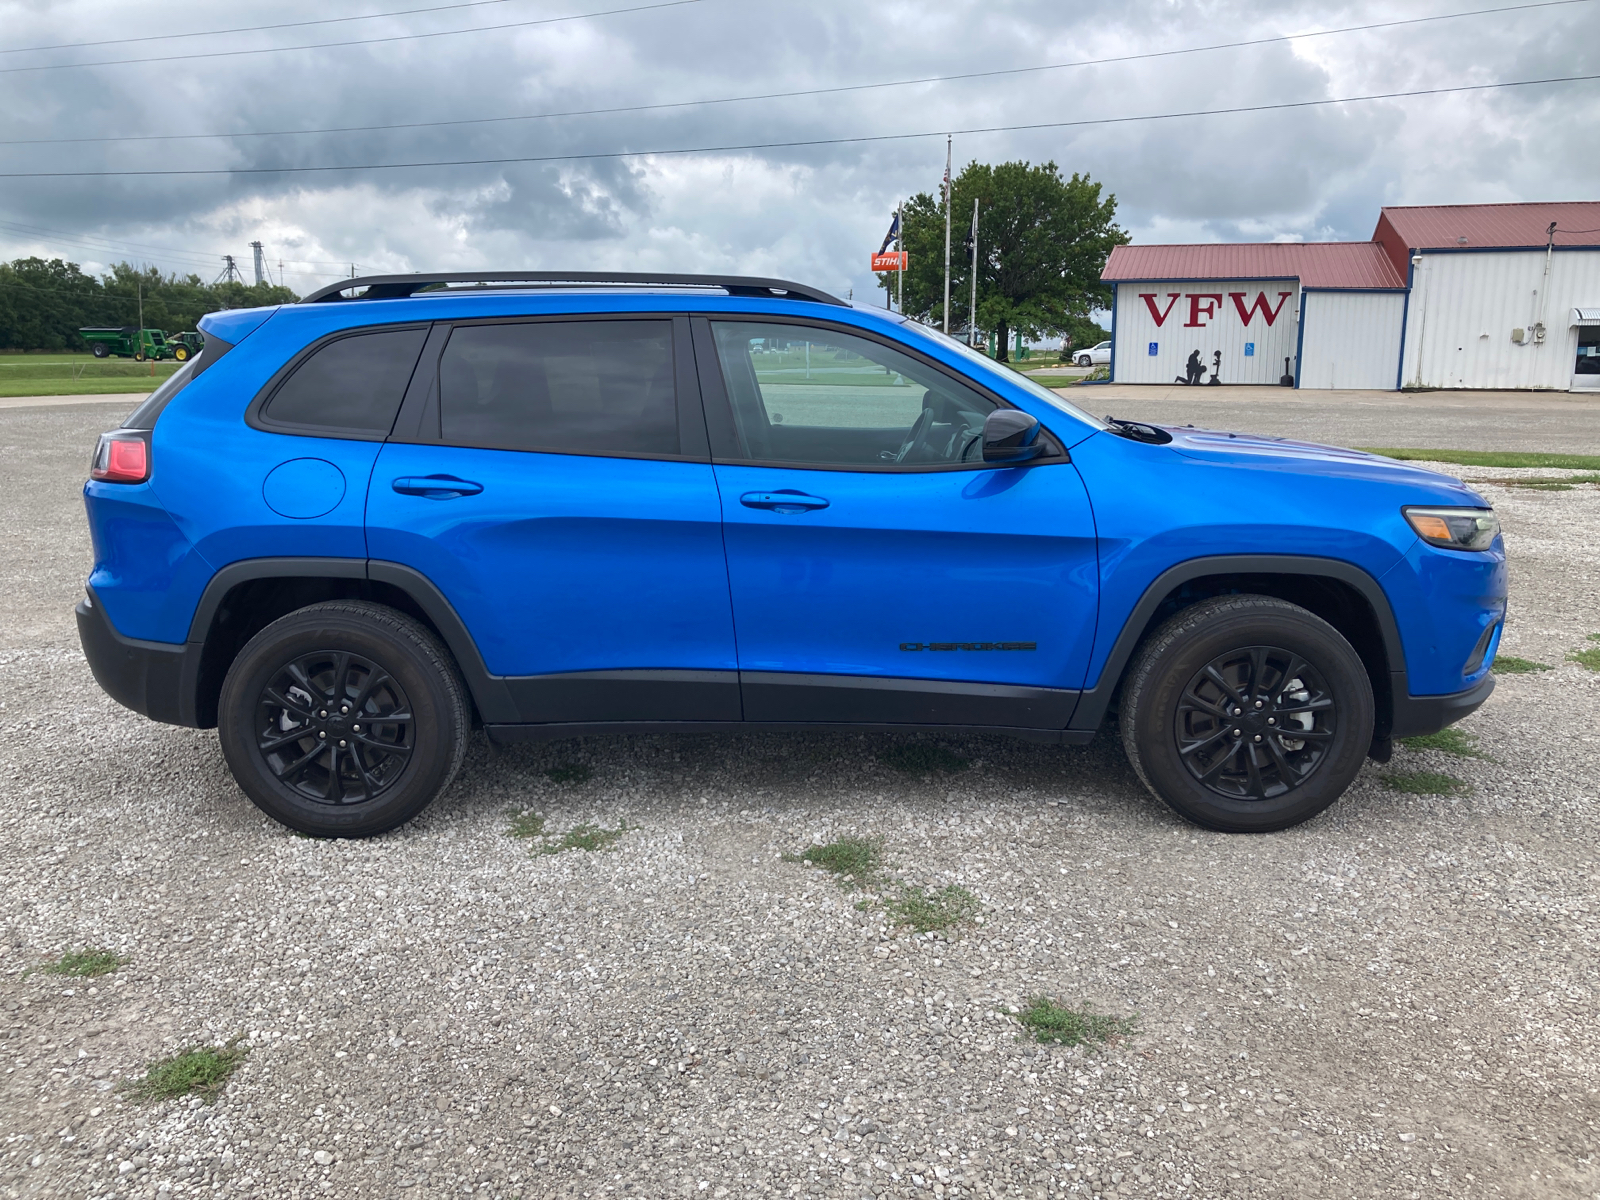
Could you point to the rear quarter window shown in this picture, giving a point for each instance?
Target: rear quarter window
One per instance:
(350, 385)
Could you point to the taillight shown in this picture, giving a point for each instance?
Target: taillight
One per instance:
(122, 456)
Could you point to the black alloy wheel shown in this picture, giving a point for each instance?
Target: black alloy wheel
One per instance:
(1255, 723)
(343, 719)
(335, 727)
(1246, 713)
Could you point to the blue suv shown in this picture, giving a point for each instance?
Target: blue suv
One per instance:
(354, 529)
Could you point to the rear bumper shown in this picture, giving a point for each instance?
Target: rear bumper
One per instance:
(155, 679)
(1416, 715)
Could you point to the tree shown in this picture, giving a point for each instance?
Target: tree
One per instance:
(1043, 239)
(44, 304)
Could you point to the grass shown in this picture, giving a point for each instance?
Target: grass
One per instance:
(526, 825)
(1426, 783)
(570, 773)
(1510, 664)
(1049, 1022)
(1589, 656)
(1541, 483)
(200, 1071)
(1450, 740)
(1494, 458)
(854, 860)
(85, 964)
(586, 837)
(78, 375)
(930, 911)
(922, 758)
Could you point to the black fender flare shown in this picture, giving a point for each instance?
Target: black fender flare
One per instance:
(489, 692)
(1092, 706)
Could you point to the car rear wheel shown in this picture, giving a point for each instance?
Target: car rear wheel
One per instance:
(343, 719)
(1247, 714)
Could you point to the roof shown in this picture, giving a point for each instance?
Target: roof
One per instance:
(1497, 226)
(1314, 264)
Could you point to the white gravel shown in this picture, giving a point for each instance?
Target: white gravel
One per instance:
(1395, 1000)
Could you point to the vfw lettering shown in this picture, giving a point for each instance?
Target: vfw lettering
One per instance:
(1202, 307)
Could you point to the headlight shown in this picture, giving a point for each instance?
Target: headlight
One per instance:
(1455, 528)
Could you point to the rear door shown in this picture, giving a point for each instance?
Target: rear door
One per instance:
(881, 572)
(551, 477)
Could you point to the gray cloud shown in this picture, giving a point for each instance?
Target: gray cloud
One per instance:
(809, 212)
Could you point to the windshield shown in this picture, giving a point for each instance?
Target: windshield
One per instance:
(1032, 387)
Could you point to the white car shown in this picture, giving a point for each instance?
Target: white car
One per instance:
(1094, 356)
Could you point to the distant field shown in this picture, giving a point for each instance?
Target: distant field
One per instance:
(78, 375)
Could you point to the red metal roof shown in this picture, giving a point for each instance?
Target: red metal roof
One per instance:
(1442, 226)
(1314, 264)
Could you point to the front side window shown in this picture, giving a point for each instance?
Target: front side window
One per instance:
(567, 387)
(351, 384)
(822, 398)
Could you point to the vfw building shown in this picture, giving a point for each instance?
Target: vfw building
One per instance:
(1452, 296)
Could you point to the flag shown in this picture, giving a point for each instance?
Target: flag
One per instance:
(894, 232)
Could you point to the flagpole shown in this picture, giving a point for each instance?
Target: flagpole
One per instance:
(899, 230)
(972, 321)
(948, 197)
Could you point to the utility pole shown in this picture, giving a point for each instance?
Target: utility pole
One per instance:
(256, 247)
(972, 319)
(140, 286)
(947, 198)
(899, 233)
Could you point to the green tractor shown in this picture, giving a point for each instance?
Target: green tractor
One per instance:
(128, 341)
(186, 345)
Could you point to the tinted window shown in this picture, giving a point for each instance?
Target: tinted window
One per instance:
(806, 395)
(574, 387)
(350, 385)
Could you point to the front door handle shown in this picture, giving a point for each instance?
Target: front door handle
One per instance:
(783, 501)
(436, 487)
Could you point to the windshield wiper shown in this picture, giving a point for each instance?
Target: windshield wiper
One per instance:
(1138, 431)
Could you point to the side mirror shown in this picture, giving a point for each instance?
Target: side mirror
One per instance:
(1010, 436)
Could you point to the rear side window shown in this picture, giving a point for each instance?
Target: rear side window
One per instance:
(349, 385)
(568, 387)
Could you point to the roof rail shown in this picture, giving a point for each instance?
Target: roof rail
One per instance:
(395, 287)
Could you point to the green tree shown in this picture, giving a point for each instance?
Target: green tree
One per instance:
(1043, 239)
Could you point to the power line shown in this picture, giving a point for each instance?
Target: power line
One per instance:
(372, 41)
(799, 143)
(104, 245)
(805, 92)
(162, 37)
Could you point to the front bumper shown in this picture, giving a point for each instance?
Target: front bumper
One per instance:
(1417, 715)
(155, 679)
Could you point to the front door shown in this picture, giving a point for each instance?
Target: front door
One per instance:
(880, 571)
(554, 484)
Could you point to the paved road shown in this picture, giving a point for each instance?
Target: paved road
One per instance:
(1555, 421)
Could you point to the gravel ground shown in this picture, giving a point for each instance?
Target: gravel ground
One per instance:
(1395, 1000)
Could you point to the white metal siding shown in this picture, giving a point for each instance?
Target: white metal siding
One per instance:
(1465, 305)
(1351, 339)
(1204, 316)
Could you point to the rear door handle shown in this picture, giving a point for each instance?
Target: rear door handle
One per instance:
(436, 487)
(782, 501)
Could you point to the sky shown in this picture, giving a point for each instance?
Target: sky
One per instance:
(813, 212)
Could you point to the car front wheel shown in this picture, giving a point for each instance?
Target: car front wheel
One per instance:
(1247, 714)
(1084, 360)
(343, 719)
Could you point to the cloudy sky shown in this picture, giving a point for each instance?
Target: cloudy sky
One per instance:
(456, 72)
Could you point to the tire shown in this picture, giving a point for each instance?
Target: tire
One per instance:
(382, 772)
(181, 354)
(99, 350)
(1085, 361)
(138, 356)
(1178, 720)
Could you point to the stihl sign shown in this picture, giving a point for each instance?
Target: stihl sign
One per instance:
(890, 260)
(1203, 307)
